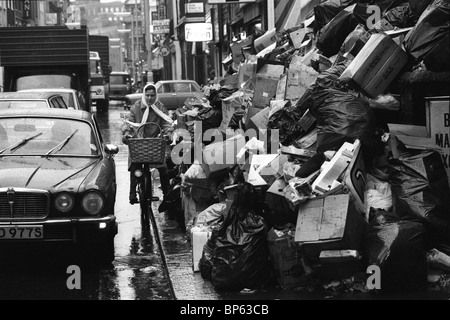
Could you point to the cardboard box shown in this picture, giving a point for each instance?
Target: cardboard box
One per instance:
(222, 155)
(270, 69)
(258, 162)
(307, 121)
(438, 125)
(181, 120)
(274, 170)
(191, 209)
(250, 113)
(246, 72)
(199, 237)
(265, 91)
(376, 65)
(230, 105)
(281, 88)
(199, 189)
(266, 40)
(330, 223)
(338, 256)
(309, 141)
(277, 105)
(259, 121)
(297, 37)
(331, 171)
(300, 77)
(287, 260)
(355, 178)
(236, 49)
(306, 59)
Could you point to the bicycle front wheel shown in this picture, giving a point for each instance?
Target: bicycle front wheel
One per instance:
(145, 193)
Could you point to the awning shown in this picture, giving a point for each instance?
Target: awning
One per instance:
(289, 14)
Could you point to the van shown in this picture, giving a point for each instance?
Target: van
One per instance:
(120, 85)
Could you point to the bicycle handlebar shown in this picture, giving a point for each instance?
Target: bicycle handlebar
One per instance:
(140, 130)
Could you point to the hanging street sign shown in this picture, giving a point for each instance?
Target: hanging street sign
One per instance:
(161, 26)
(198, 32)
(164, 51)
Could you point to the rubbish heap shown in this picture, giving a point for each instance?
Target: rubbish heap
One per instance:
(331, 152)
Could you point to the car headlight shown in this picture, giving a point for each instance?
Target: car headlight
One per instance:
(64, 202)
(93, 203)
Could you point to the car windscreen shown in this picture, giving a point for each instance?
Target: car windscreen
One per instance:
(115, 79)
(22, 104)
(43, 81)
(47, 137)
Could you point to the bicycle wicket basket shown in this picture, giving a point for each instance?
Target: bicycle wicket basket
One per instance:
(147, 150)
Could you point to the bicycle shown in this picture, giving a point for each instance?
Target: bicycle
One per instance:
(148, 153)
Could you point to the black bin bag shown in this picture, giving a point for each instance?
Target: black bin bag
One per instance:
(241, 256)
(341, 116)
(429, 41)
(398, 247)
(421, 191)
(331, 37)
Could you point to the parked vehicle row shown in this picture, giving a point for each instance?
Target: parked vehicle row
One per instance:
(31, 100)
(57, 176)
(57, 181)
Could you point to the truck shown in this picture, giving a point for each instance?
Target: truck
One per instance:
(100, 70)
(45, 57)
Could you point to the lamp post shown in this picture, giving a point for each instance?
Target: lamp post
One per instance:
(148, 39)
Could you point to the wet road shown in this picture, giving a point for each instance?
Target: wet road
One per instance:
(137, 273)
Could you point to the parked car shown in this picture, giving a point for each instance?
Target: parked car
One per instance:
(172, 93)
(57, 181)
(73, 98)
(119, 85)
(31, 100)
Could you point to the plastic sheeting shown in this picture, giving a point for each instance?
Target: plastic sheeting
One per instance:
(421, 191)
(429, 39)
(331, 37)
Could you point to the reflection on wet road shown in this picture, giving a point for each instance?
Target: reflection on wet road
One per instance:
(137, 272)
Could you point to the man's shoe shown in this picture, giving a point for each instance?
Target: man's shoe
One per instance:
(133, 200)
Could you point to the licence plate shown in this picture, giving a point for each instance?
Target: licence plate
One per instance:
(21, 233)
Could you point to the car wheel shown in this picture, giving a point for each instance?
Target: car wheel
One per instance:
(102, 105)
(106, 252)
(101, 254)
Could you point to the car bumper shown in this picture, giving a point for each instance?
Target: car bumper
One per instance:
(117, 97)
(77, 230)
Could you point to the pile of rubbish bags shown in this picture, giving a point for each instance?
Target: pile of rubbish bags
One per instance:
(307, 165)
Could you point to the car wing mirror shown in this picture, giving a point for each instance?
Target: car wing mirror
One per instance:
(111, 150)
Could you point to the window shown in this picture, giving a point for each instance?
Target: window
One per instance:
(48, 133)
(167, 88)
(184, 87)
(57, 102)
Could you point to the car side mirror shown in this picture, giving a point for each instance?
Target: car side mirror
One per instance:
(111, 150)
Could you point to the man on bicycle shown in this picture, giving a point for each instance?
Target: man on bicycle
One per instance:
(148, 109)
